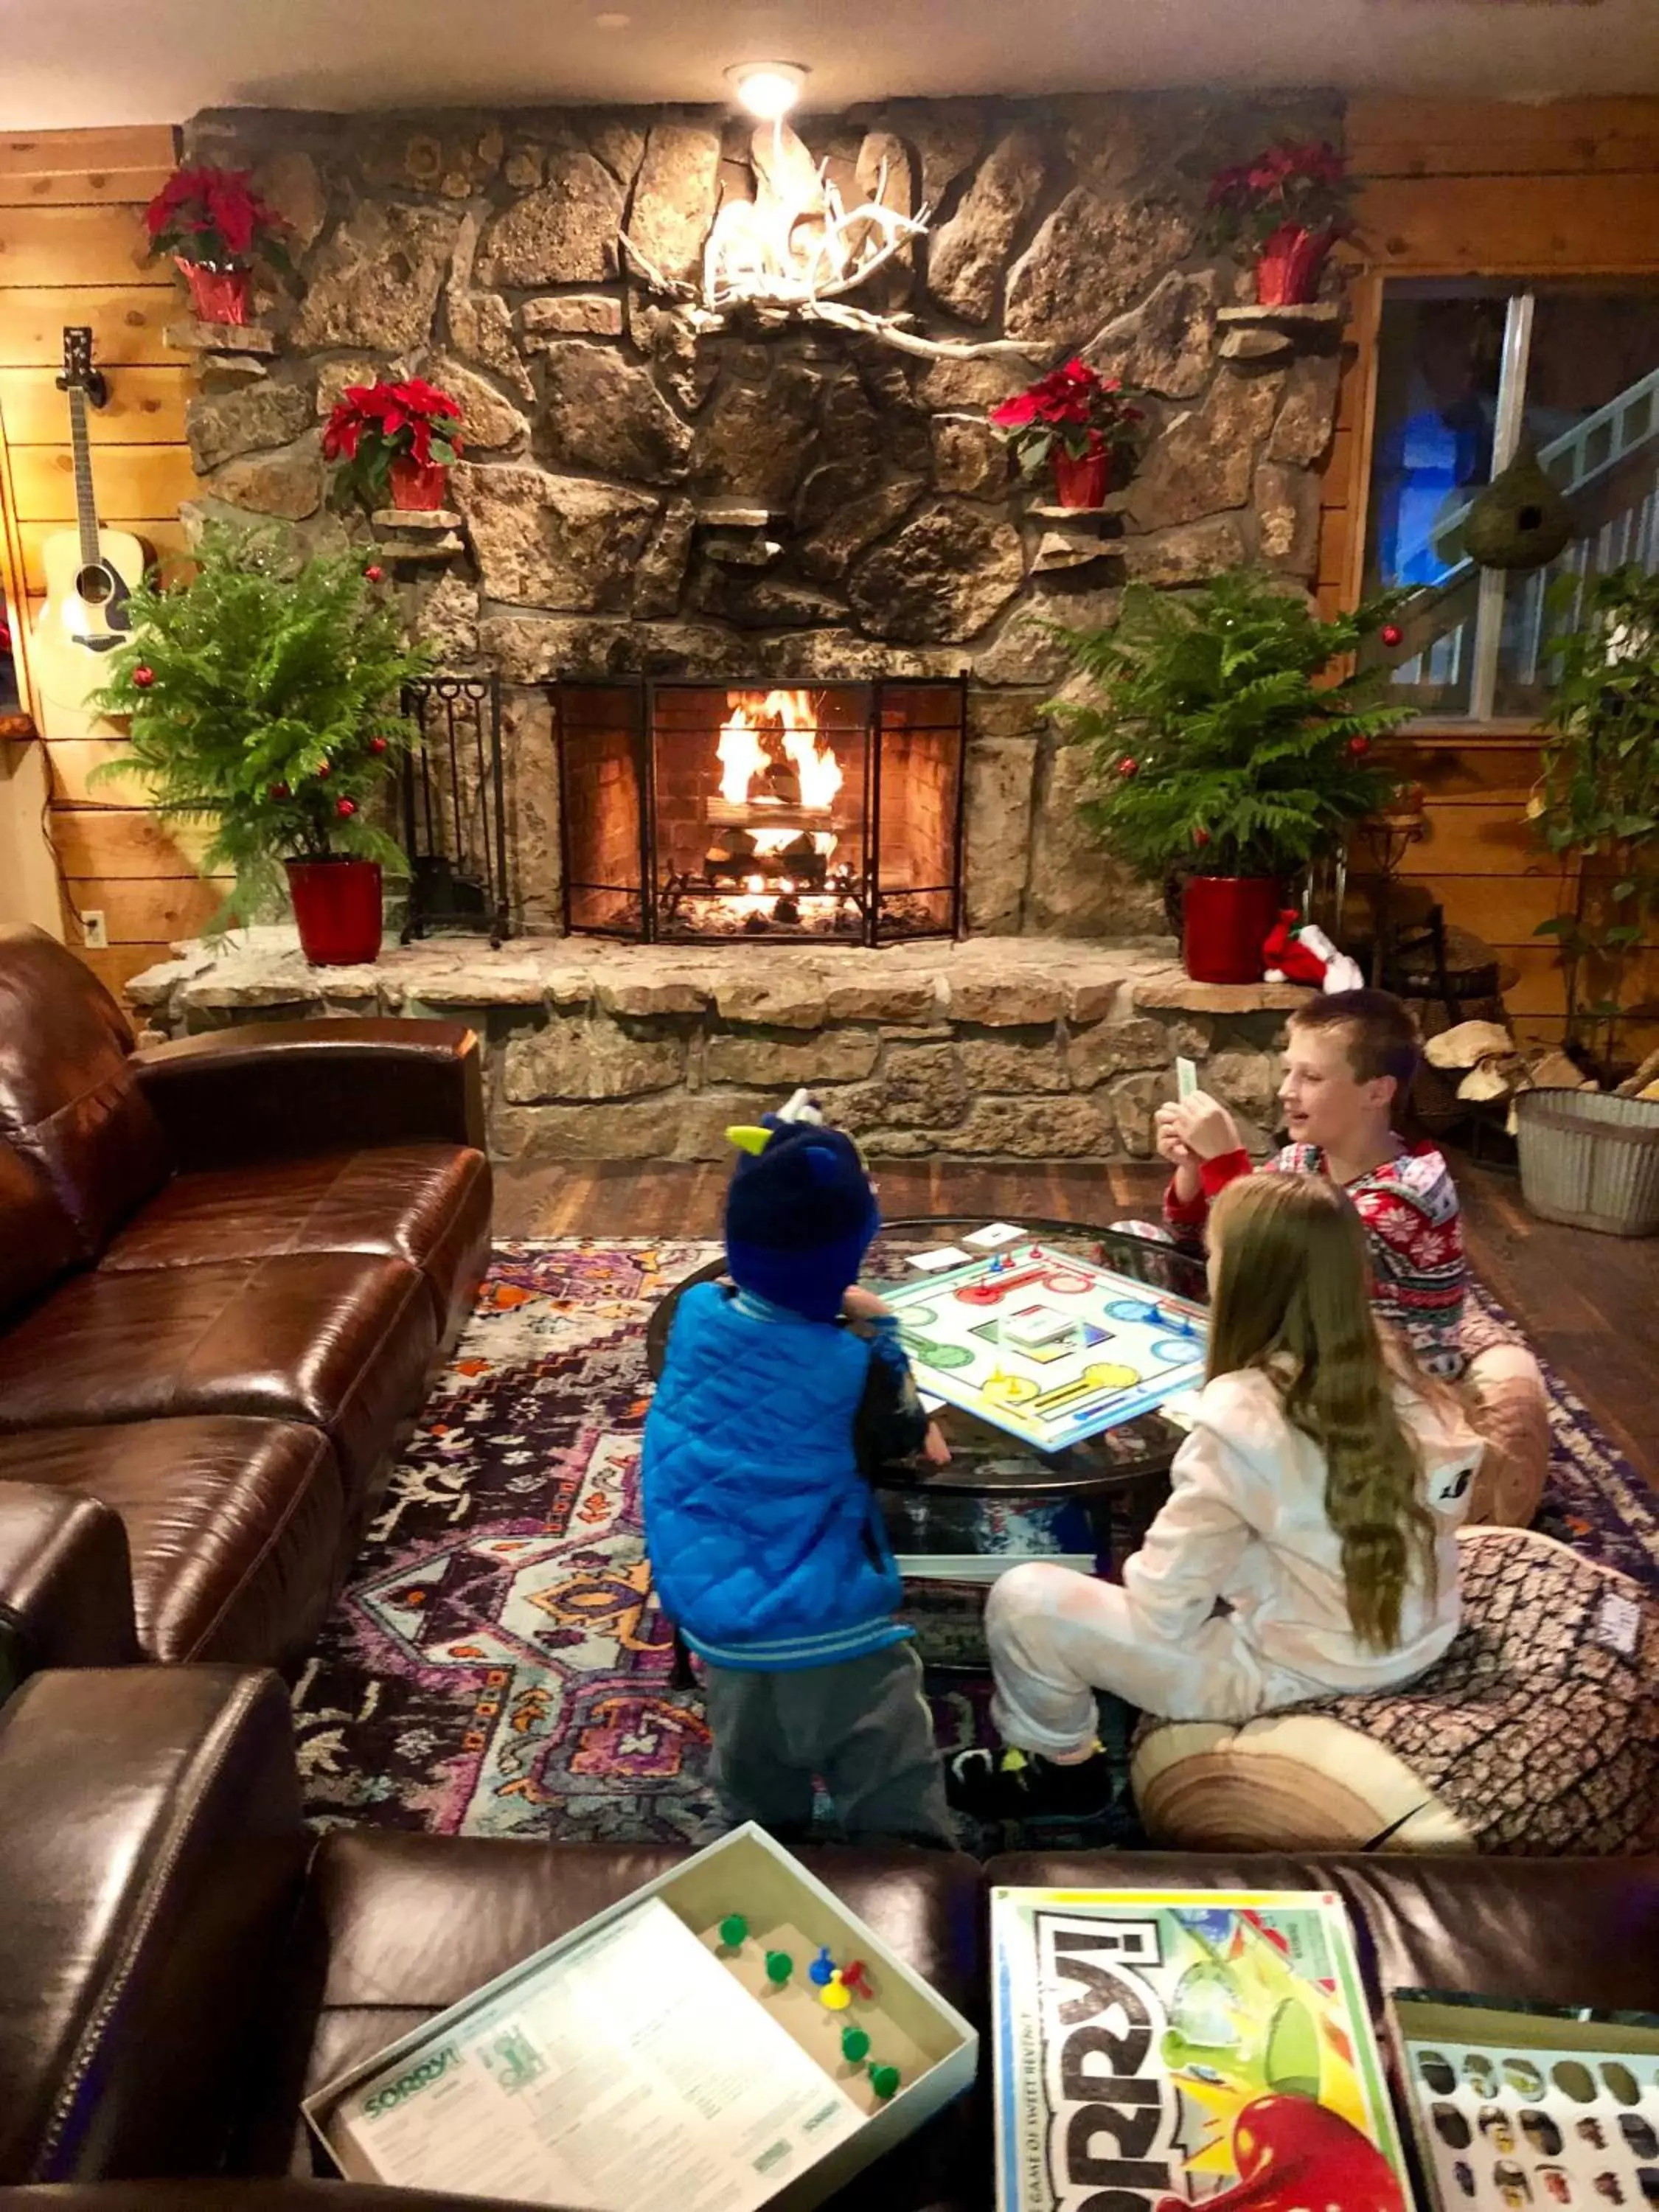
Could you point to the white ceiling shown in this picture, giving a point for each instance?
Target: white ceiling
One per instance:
(70, 63)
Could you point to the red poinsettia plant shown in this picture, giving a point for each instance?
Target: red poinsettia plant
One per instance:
(214, 218)
(1073, 411)
(374, 426)
(1306, 185)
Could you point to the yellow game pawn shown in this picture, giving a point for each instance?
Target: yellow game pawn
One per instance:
(834, 1996)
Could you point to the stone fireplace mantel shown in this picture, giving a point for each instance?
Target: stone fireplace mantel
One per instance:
(995, 1048)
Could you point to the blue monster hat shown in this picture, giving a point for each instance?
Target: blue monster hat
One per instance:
(799, 1216)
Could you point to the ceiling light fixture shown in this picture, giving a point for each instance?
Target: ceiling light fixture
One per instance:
(768, 89)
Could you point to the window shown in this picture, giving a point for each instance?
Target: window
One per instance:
(1468, 372)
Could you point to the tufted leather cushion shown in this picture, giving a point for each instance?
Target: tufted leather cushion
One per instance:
(340, 1340)
(235, 1526)
(428, 1204)
(70, 1100)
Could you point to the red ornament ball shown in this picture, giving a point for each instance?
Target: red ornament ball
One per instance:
(1128, 766)
(280, 791)
(345, 808)
(1391, 633)
(1200, 835)
(377, 745)
(1359, 747)
(375, 572)
(144, 677)
(324, 771)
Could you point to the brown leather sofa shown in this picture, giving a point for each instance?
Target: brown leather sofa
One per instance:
(178, 1966)
(228, 1269)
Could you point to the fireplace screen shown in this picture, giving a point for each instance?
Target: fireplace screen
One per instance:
(697, 811)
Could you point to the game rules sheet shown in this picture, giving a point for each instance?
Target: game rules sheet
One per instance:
(633, 2074)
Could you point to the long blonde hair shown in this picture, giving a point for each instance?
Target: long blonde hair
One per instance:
(1293, 1298)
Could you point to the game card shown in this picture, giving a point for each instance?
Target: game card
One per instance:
(993, 1234)
(1185, 1077)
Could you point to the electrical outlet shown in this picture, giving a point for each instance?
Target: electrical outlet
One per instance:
(93, 929)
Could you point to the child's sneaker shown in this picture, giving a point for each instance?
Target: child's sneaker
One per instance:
(1023, 1786)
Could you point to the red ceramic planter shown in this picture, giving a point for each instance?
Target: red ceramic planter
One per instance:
(336, 904)
(1290, 266)
(1225, 920)
(1083, 482)
(218, 295)
(418, 487)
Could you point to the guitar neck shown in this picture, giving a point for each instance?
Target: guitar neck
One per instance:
(86, 511)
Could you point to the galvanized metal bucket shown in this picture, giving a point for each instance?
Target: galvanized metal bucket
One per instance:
(1590, 1160)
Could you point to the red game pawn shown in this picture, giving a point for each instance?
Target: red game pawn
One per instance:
(856, 1978)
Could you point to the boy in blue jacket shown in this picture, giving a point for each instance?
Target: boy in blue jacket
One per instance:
(765, 1542)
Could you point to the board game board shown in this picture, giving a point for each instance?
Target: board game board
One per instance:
(1050, 1347)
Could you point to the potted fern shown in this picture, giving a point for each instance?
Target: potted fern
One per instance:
(261, 696)
(1229, 750)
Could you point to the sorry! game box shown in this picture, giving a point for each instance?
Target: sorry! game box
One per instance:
(1050, 1347)
(1160, 2049)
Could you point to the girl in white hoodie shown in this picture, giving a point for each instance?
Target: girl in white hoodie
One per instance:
(1308, 1543)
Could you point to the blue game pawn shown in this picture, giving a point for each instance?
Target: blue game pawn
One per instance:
(821, 1969)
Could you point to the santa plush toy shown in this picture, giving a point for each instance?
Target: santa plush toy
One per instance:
(1298, 951)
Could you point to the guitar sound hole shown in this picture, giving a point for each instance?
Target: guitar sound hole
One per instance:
(94, 585)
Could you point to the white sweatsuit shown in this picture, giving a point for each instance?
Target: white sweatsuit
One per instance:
(1236, 1603)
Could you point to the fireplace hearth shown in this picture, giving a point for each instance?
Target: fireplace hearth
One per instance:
(698, 811)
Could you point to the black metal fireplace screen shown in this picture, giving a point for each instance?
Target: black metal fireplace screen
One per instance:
(696, 811)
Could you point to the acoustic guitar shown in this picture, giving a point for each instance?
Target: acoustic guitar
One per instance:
(90, 575)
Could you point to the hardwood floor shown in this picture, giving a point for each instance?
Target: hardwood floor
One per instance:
(1590, 1304)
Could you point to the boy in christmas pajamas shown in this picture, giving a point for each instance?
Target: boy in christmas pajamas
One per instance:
(1351, 1056)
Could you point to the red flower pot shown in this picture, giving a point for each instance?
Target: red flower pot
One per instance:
(1224, 924)
(337, 903)
(218, 295)
(1084, 482)
(1290, 265)
(418, 487)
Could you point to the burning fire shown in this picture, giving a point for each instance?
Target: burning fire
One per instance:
(750, 739)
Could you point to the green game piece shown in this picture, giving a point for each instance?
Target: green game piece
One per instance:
(778, 1967)
(734, 1929)
(855, 2045)
(884, 2080)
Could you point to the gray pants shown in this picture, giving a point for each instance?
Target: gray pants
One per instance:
(861, 1726)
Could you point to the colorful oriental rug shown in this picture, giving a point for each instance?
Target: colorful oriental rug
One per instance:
(498, 1666)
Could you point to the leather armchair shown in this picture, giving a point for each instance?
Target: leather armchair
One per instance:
(65, 1584)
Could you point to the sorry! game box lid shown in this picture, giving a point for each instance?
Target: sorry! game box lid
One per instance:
(1160, 2049)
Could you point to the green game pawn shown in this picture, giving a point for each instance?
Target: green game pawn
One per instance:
(734, 1929)
(855, 2045)
(778, 1967)
(884, 2080)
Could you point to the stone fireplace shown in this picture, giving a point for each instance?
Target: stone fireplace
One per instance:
(705, 568)
(781, 507)
(732, 813)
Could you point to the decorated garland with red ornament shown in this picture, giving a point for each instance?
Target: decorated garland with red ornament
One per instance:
(262, 697)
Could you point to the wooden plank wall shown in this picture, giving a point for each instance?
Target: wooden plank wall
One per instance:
(1453, 187)
(71, 251)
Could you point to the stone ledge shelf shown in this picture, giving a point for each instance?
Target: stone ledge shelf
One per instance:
(1254, 333)
(257, 339)
(997, 1048)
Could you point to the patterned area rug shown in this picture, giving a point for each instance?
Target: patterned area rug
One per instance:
(498, 1668)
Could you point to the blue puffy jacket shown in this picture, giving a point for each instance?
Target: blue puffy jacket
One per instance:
(766, 1545)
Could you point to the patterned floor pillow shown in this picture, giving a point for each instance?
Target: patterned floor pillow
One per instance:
(1537, 1733)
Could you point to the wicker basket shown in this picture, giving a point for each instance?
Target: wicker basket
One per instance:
(1591, 1160)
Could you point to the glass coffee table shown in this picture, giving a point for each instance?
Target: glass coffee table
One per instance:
(1002, 1500)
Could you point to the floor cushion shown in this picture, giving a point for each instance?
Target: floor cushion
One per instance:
(428, 1204)
(236, 1527)
(342, 1340)
(1538, 1733)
